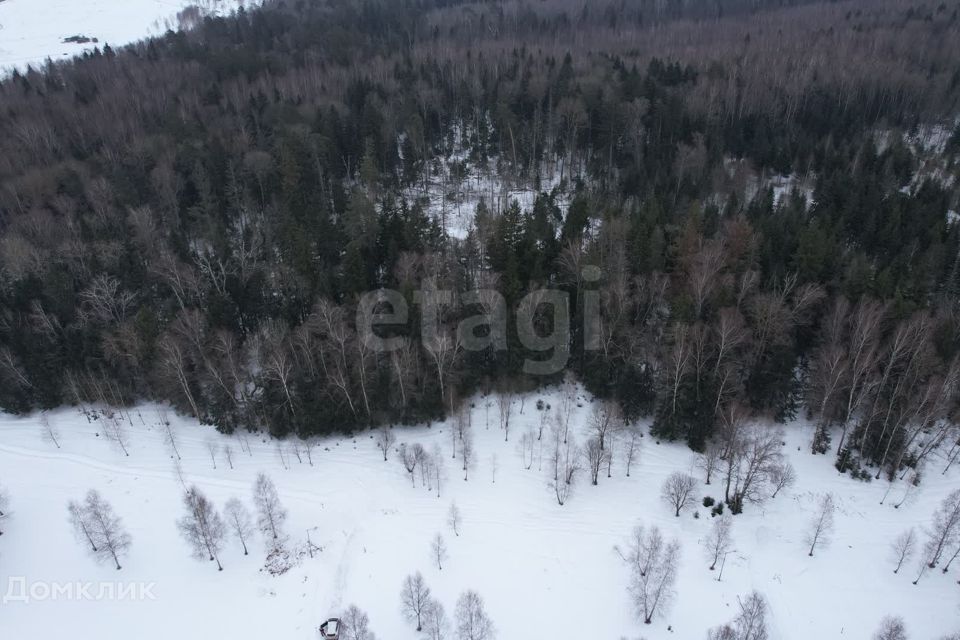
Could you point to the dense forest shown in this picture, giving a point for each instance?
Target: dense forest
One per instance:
(767, 188)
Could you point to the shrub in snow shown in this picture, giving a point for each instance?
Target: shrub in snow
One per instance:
(891, 628)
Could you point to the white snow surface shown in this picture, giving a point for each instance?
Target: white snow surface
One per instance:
(541, 568)
(453, 202)
(33, 30)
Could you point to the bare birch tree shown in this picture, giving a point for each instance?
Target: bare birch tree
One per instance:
(239, 521)
(903, 547)
(564, 464)
(115, 432)
(505, 405)
(720, 539)
(270, 512)
(48, 431)
(473, 623)
(709, 461)
(385, 438)
(454, 518)
(414, 598)
(438, 551)
(102, 528)
(821, 526)
(781, 475)
(81, 526)
(945, 531)
(631, 445)
(750, 623)
(653, 566)
(355, 624)
(596, 457)
(202, 527)
(212, 449)
(435, 623)
(439, 468)
(467, 453)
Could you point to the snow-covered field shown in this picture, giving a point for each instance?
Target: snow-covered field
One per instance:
(543, 570)
(33, 30)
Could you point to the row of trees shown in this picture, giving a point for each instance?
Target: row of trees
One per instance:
(420, 607)
(203, 527)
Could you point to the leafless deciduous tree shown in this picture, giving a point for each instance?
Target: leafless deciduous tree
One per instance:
(526, 447)
(781, 475)
(202, 527)
(945, 531)
(473, 623)
(48, 431)
(435, 623)
(228, 454)
(653, 567)
(631, 445)
(709, 461)
(239, 521)
(115, 432)
(467, 453)
(505, 405)
(438, 551)
(677, 491)
(80, 525)
(169, 435)
(821, 526)
(270, 512)
(564, 411)
(720, 539)
(903, 547)
(282, 455)
(604, 420)
(212, 449)
(750, 624)
(355, 624)
(438, 468)
(385, 438)
(412, 457)
(596, 457)
(454, 518)
(414, 598)
(564, 464)
(97, 523)
(891, 628)
(749, 454)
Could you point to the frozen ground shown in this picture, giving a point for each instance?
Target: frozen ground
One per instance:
(453, 200)
(542, 569)
(33, 30)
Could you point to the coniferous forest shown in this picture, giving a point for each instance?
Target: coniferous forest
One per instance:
(768, 188)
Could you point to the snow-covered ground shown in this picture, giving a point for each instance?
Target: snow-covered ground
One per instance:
(33, 30)
(543, 570)
(453, 201)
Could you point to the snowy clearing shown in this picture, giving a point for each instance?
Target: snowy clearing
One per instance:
(541, 568)
(33, 30)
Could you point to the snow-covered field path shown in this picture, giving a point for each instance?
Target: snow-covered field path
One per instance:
(542, 569)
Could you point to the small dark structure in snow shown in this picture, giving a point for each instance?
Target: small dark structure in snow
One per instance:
(330, 630)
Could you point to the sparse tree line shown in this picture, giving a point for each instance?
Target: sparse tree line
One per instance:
(205, 528)
(224, 276)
